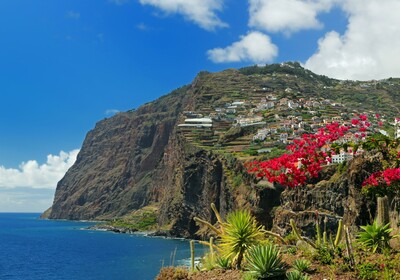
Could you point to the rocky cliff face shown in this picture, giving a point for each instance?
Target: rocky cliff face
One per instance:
(140, 158)
(335, 196)
(117, 161)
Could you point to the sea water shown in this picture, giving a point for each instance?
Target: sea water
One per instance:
(31, 248)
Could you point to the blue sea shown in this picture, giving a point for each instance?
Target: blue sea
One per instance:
(31, 248)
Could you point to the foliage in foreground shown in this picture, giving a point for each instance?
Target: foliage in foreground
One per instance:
(173, 273)
(265, 261)
(375, 237)
(241, 232)
(296, 275)
(301, 265)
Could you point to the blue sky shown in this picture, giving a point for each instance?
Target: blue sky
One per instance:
(64, 65)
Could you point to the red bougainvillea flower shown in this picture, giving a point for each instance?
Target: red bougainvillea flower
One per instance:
(305, 160)
(363, 117)
(383, 178)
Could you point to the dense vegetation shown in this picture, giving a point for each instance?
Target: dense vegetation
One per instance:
(240, 243)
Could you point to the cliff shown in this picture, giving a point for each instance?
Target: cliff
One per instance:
(141, 157)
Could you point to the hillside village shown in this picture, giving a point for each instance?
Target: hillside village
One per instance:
(267, 120)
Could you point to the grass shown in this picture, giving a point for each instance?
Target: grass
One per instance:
(142, 220)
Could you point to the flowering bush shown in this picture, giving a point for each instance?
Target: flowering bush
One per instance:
(306, 156)
(305, 160)
(383, 182)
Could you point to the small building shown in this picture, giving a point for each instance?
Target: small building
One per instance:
(197, 123)
(249, 121)
(341, 157)
(261, 134)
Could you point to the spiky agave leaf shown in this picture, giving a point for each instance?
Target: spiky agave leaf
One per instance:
(264, 261)
(241, 232)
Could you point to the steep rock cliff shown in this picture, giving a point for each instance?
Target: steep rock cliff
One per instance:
(140, 158)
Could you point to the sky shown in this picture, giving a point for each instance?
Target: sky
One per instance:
(64, 65)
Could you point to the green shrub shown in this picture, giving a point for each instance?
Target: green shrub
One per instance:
(324, 255)
(207, 262)
(296, 275)
(264, 261)
(172, 273)
(301, 265)
(367, 271)
(249, 276)
(223, 263)
(292, 250)
(291, 238)
(375, 237)
(237, 181)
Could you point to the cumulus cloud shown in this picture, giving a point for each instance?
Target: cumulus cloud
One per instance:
(369, 48)
(32, 174)
(201, 12)
(287, 16)
(254, 47)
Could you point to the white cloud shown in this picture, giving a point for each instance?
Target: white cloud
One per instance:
(201, 12)
(287, 16)
(254, 47)
(369, 49)
(31, 174)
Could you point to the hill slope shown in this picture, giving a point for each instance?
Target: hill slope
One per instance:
(143, 157)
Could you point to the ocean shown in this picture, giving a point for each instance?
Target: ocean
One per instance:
(33, 249)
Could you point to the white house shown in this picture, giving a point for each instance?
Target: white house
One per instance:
(341, 157)
(261, 134)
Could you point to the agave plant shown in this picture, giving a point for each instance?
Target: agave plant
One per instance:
(296, 275)
(301, 265)
(241, 232)
(264, 261)
(223, 263)
(375, 237)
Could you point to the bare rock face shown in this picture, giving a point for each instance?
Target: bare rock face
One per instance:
(116, 164)
(139, 158)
